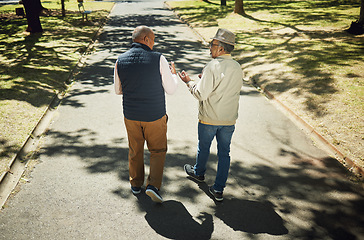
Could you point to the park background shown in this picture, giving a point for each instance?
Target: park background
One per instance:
(297, 50)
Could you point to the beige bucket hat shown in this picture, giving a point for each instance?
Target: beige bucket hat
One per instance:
(225, 36)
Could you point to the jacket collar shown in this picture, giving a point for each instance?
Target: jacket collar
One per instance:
(225, 56)
(140, 45)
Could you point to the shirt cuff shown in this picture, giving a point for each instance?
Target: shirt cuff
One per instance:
(190, 84)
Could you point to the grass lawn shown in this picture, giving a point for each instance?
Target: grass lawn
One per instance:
(35, 67)
(299, 51)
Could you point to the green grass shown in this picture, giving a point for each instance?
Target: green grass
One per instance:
(35, 67)
(299, 51)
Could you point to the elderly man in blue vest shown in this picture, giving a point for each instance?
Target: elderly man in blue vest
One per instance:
(218, 93)
(142, 76)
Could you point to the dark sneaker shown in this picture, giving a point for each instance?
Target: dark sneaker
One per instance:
(191, 172)
(136, 190)
(153, 193)
(217, 195)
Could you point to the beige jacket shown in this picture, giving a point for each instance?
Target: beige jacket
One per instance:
(218, 91)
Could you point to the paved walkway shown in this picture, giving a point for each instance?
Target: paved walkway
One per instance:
(280, 187)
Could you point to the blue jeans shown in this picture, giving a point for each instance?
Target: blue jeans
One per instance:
(206, 134)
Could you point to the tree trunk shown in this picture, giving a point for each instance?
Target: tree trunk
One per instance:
(223, 2)
(239, 7)
(357, 27)
(33, 9)
(63, 9)
(361, 18)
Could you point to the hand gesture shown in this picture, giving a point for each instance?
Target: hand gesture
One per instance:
(184, 76)
(173, 68)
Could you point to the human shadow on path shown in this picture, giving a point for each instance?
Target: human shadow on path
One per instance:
(250, 216)
(331, 204)
(334, 206)
(172, 220)
(247, 216)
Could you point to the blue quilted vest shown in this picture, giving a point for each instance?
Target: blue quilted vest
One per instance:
(141, 81)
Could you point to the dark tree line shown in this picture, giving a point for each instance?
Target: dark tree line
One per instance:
(33, 9)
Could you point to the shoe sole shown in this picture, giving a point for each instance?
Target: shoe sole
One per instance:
(136, 192)
(154, 196)
(213, 195)
(191, 176)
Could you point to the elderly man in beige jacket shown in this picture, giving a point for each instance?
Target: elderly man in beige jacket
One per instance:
(218, 93)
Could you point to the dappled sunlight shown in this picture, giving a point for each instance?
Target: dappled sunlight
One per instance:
(280, 185)
(259, 198)
(297, 194)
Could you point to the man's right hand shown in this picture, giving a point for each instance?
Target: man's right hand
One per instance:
(184, 76)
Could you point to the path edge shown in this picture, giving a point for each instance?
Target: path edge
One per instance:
(19, 163)
(329, 148)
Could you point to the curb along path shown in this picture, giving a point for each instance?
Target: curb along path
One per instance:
(280, 186)
(19, 163)
(326, 145)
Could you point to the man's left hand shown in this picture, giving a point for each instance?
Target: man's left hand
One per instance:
(173, 68)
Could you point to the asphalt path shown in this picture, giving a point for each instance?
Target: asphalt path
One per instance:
(281, 186)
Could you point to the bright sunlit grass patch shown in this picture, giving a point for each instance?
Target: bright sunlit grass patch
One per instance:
(34, 67)
(299, 51)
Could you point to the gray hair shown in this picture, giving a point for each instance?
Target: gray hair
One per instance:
(227, 47)
(140, 32)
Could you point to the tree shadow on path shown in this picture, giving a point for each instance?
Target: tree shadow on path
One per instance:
(283, 187)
